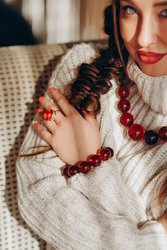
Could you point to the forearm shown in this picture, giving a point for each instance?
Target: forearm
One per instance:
(60, 214)
(105, 188)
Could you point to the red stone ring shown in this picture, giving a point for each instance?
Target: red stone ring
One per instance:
(49, 114)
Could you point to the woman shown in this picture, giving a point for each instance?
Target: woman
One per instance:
(120, 204)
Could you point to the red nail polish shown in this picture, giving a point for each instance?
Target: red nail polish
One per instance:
(36, 124)
(41, 98)
(51, 90)
(39, 111)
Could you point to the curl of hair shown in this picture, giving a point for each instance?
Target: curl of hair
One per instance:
(94, 79)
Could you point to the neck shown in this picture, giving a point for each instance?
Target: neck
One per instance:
(153, 90)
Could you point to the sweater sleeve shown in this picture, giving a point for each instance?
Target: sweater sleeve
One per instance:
(91, 211)
(157, 176)
(94, 211)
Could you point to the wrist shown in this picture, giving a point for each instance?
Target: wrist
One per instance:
(93, 161)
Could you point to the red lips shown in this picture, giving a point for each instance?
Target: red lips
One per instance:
(150, 57)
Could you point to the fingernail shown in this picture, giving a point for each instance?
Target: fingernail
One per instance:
(39, 111)
(36, 124)
(51, 90)
(41, 98)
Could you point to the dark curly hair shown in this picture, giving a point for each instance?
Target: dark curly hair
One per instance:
(94, 79)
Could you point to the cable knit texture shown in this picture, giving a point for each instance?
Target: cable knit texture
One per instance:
(114, 207)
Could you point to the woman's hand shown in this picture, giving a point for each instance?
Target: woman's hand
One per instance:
(163, 220)
(72, 136)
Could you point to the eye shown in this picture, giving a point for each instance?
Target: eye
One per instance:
(164, 13)
(129, 10)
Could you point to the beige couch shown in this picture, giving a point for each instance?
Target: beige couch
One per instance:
(24, 75)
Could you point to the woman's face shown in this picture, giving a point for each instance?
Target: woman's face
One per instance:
(143, 27)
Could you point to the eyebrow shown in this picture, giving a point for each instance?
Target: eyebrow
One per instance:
(160, 4)
(155, 5)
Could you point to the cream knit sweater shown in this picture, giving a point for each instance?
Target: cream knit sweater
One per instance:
(115, 206)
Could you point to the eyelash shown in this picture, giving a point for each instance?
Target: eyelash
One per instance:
(165, 16)
(126, 8)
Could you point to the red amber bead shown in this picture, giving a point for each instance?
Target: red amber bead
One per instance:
(72, 170)
(65, 171)
(47, 115)
(111, 151)
(84, 167)
(151, 137)
(126, 119)
(162, 133)
(123, 92)
(136, 132)
(124, 105)
(95, 160)
(105, 153)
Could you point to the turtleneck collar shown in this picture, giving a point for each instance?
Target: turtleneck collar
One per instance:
(152, 89)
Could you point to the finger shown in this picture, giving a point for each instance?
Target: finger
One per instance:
(50, 125)
(40, 111)
(56, 115)
(47, 104)
(42, 132)
(89, 117)
(62, 101)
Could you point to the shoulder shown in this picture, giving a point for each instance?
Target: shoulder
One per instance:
(66, 70)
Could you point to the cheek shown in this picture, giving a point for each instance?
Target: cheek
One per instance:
(128, 29)
(163, 35)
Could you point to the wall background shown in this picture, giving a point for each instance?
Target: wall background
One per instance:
(55, 21)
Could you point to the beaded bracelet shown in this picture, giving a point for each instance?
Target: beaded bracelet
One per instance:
(93, 161)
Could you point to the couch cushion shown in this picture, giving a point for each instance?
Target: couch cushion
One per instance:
(24, 75)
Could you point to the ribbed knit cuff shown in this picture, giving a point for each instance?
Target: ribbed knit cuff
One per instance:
(158, 209)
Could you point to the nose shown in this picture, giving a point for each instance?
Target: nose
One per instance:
(146, 31)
